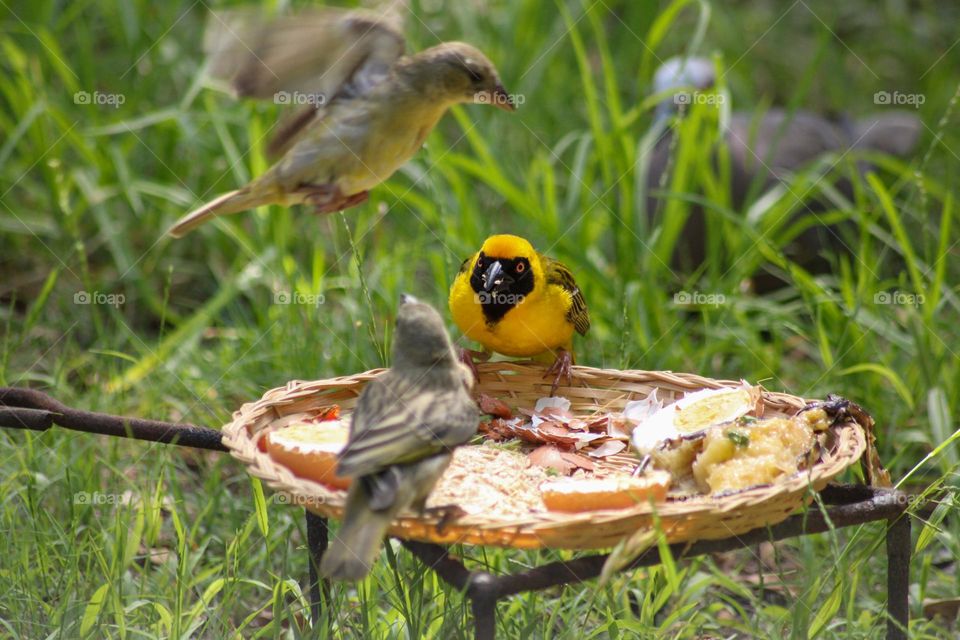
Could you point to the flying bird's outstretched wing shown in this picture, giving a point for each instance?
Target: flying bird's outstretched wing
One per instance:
(314, 52)
(306, 59)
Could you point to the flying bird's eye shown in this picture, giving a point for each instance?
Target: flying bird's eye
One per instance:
(475, 76)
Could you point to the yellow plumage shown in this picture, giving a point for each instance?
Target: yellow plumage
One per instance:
(528, 306)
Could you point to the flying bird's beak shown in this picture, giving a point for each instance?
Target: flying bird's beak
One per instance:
(493, 277)
(501, 99)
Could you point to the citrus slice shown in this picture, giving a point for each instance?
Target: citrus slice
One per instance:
(575, 495)
(693, 414)
(310, 450)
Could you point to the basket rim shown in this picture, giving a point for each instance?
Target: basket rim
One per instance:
(241, 436)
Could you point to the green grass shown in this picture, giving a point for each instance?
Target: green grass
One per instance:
(87, 190)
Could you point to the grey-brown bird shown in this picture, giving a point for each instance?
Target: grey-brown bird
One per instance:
(404, 429)
(366, 108)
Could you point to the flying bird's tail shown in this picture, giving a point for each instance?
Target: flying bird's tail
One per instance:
(232, 202)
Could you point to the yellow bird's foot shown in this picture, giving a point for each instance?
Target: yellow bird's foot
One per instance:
(560, 369)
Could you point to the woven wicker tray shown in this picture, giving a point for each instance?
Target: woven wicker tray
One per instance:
(521, 384)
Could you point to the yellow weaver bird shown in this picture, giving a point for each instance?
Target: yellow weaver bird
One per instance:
(519, 303)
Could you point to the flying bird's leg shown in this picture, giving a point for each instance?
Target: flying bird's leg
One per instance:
(354, 200)
(560, 369)
(470, 358)
(325, 198)
(341, 202)
(317, 195)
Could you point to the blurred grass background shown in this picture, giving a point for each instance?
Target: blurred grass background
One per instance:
(189, 330)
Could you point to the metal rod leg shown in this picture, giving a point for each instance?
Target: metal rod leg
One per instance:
(317, 539)
(898, 578)
(484, 617)
(483, 603)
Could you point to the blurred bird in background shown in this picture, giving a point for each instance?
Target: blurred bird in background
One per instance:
(404, 429)
(765, 150)
(519, 303)
(364, 108)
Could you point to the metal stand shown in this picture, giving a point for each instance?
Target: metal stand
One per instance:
(847, 505)
(898, 578)
(29, 409)
(318, 536)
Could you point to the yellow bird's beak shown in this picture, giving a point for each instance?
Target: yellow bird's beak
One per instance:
(493, 277)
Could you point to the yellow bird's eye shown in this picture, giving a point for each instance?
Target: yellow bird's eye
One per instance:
(520, 267)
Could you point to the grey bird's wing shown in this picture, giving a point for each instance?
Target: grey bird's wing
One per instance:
(309, 58)
(397, 421)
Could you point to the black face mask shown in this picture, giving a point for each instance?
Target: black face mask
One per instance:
(500, 284)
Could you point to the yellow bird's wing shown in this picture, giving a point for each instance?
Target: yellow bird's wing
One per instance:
(306, 59)
(558, 274)
(462, 279)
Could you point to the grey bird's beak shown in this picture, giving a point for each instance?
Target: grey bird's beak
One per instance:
(493, 277)
(406, 298)
(501, 99)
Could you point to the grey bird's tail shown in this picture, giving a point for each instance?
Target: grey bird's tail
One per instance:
(232, 202)
(357, 544)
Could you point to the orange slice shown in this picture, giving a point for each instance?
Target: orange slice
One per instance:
(310, 450)
(573, 495)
